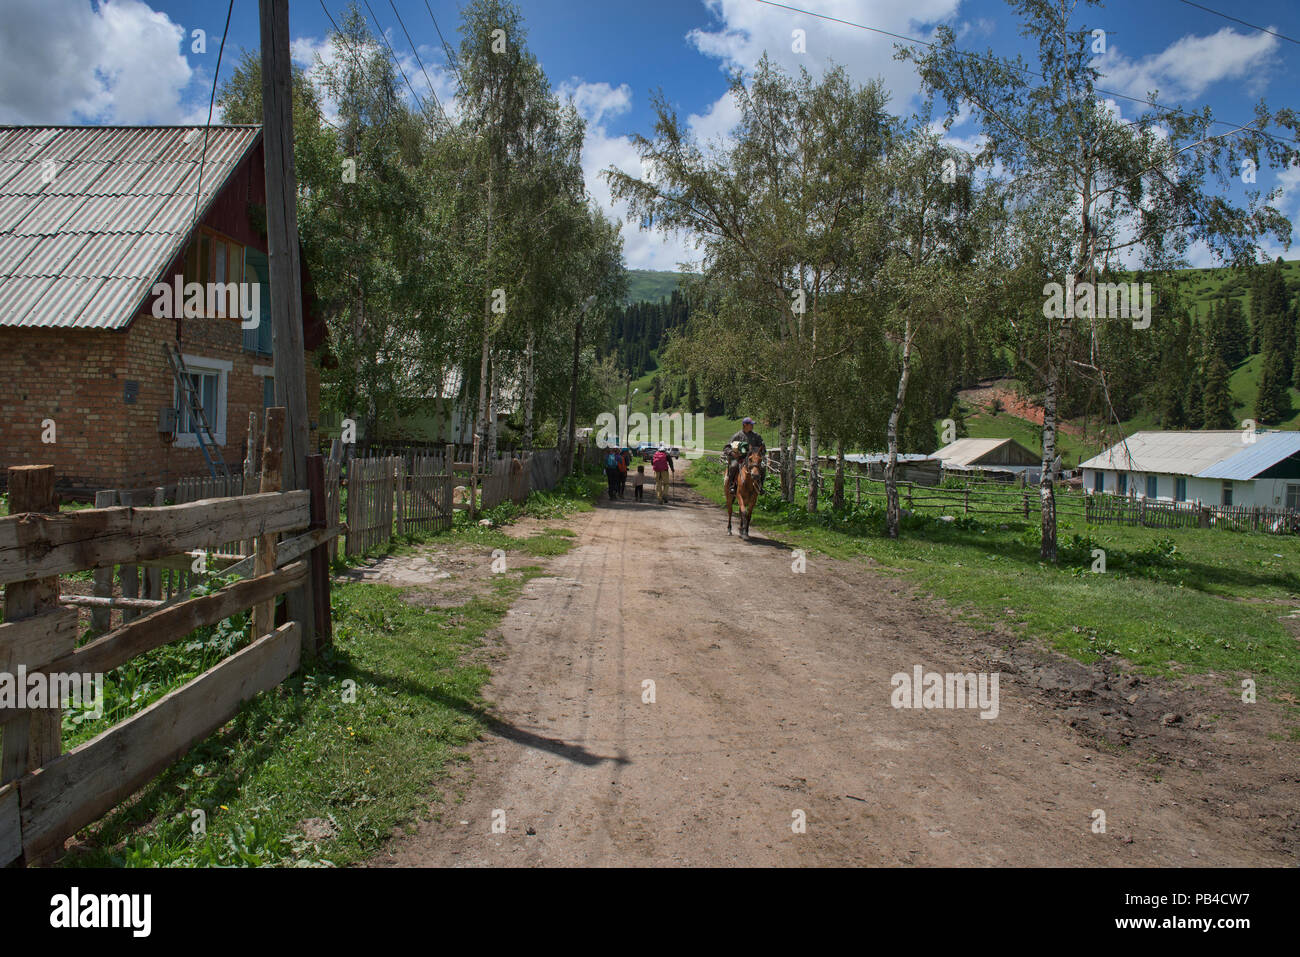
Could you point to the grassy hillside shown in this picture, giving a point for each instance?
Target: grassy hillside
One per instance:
(650, 284)
(1202, 286)
(1029, 434)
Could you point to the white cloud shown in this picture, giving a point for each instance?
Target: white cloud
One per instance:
(595, 101)
(64, 61)
(601, 150)
(746, 29)
(714, 126)
(1191, 65)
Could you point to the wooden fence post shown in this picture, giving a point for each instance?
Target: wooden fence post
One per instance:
(250, 465)
(34, 738)
(354, 509)
(319, 556)
(399, 493)
(272, 450)
(473, 483)
(101, 618)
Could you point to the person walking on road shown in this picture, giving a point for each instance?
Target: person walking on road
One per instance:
(612, 458)
(662, 463)
(624, 458)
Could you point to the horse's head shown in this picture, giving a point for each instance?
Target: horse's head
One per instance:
(752, 465)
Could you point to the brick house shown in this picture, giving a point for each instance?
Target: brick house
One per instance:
(91, 218)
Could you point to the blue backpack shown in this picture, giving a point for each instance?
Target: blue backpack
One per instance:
(611, 461)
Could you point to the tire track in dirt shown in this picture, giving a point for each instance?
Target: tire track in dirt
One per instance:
(772, 696)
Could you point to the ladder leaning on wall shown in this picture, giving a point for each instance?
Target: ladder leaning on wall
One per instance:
(192, 403)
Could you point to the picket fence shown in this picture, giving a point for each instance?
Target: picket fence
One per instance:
(394, 495)
(1104, 509)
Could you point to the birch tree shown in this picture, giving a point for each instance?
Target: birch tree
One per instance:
(1120, 192)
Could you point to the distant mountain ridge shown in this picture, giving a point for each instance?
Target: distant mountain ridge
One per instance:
(650, 285)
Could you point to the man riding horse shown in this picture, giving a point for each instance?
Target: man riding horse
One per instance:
(746, 440)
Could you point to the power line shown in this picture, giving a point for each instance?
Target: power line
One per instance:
(446, 47)
(432, 92)
(203, 156)
(1280, 36)
(351, 50)
(393, 55)
(1242, 127)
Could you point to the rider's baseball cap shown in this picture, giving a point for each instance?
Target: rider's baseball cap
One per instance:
(746, 421)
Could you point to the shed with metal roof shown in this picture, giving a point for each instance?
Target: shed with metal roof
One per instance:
(1213, 467)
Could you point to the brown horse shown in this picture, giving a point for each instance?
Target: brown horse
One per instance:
(746, 491)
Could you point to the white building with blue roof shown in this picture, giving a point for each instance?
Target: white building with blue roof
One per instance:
(1239, 467)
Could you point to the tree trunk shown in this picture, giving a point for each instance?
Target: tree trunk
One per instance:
(1047, 487)
(491, 452)
(790, 477)
(479, 419)
(837, 500)
(893, 514)
(814, 466)
(529, 387)
(780, 446)
(573, 399)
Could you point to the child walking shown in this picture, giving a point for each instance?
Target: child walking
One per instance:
(638, 481)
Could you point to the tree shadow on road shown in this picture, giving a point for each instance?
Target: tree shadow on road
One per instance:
(494, 724)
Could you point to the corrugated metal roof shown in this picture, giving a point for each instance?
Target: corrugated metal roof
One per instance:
(81, 249)
(879, 458)
(966, 451)
(1267, 450)
(1208, 454)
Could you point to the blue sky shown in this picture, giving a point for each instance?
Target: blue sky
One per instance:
(132, 61)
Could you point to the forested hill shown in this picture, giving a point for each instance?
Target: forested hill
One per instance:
(636, 331)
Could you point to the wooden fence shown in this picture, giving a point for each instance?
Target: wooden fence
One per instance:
(47, 795)
(147, 586)
(986, 499)
(1095, 509)
(395, 495)
(371, 493)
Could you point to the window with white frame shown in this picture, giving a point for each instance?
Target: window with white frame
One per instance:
(1293, 497)
(209, 377)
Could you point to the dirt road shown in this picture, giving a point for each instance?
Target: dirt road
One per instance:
(772, 704)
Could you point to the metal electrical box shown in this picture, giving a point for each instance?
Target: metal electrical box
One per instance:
(167, 420)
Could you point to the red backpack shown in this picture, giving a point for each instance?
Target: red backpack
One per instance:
(660, 461)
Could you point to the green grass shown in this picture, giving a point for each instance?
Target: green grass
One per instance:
(1244, 384)
(1170, 601)
(1202, 286)
(357, 738)
(304, 750)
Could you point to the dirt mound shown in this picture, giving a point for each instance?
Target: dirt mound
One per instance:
(1013, 404)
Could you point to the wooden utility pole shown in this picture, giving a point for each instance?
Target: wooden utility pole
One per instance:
(272, 481)
(285, 270)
